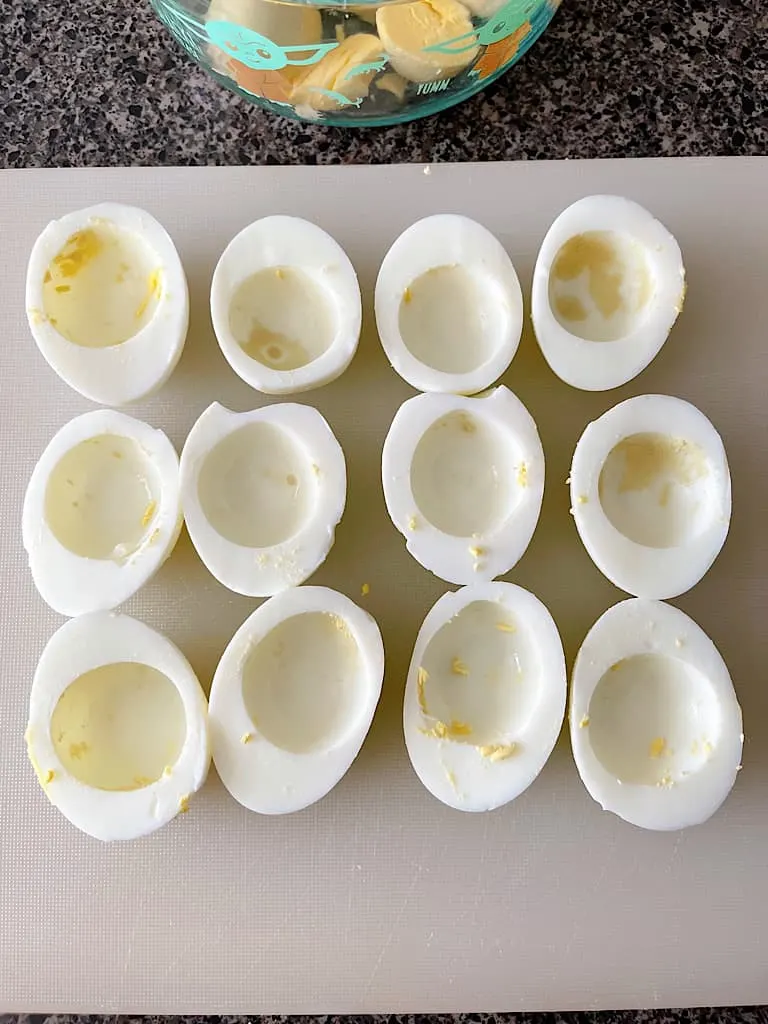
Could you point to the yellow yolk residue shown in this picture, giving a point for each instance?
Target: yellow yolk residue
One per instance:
(448, 731)
(154, 291)
(657, 747)
(421, 681)
(650, 457)
(80, 249)
(498, 751)
(595, 254)
(458, 668)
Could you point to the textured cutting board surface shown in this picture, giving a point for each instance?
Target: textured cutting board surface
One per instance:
(379, 898)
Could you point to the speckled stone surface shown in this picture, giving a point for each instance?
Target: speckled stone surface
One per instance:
(735, 1015)
(94, 83)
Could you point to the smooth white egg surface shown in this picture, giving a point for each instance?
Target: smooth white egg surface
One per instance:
(107, 302)
(463, 482)
(485, 696)
(102, 511)
(286, 307)
(118, 727)
(262, 493)
(655, 724)
(608, 286)
(651, 495)
(293, 699)
(449, 308)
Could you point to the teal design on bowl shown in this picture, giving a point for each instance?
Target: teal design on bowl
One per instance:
(265, 70)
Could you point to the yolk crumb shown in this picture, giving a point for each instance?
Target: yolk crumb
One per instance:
(149, 512)
(184, 805)
(458, 668)
(505, 627)
(154, 291)
(584, 722)
(50, 775)
(79, 250)
(365, 589)
(246, 737)
(421, 681)
(657, 747)
(522, 475)
(449, 731)
(498, 751)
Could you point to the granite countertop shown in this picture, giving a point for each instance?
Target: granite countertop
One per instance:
(90, 83)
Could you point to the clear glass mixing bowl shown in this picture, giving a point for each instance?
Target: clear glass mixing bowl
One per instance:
(356, 63)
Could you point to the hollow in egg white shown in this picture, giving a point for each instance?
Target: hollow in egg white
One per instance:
(102, 511)
(651, 495)
(656, 727)
(107, 302)
(485, 695)
(608, 286)
(293, 699)
(118, 727)
(262, 492)
(449, 309)
(463, 482)
(286, 306)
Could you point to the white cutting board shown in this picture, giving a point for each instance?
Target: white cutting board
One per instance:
(379, 898)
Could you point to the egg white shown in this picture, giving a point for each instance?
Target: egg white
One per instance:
(656, 727)
(468, 327)
(651, 294)
(81, 646)
(113, 374)
(653, 533)
(451, 471)
(288, 248)
(485, 695)
(73, 583)
(268, 763)
(317, 470)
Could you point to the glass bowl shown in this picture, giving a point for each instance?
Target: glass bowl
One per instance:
(356, 63)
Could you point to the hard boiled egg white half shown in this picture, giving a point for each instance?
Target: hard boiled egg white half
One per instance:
(293, 699)
(609, 284)
(107, 302)
(102, 511)
(485, 696)
(651, 495)
(655, 724)
(118, 727)
(262, 492)
(286, 307)
(463, 482)
(449, 308)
